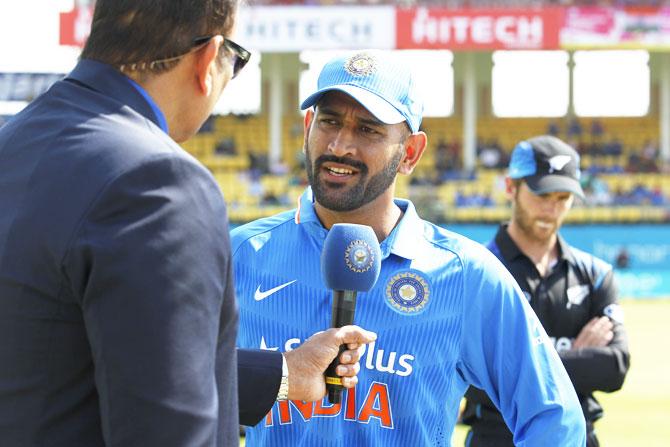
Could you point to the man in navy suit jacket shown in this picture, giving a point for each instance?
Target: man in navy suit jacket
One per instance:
(117, 314)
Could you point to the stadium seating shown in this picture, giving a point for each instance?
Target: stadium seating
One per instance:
(457, 198)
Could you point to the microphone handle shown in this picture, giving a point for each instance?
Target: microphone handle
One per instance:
(344, 306)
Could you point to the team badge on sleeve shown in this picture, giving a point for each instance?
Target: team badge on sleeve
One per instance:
(408, 292)
(358, 256)
(615, 312)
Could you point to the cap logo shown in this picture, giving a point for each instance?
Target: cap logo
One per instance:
(358, 256)
(361, 65)
(558, 162)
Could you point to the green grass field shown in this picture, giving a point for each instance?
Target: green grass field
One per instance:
(639, 414)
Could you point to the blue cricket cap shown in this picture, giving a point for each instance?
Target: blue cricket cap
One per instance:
(380, 82)
(546, 164)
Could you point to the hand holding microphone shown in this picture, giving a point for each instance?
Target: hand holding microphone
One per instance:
(308, 361)
(350, 263)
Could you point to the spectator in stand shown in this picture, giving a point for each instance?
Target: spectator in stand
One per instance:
(491, 155)
(620, 197)
(597, 130)
(443, 161)
(462, 200)
(640, 195)
(596, 191)
(447, 158)
(639, 163)
(574, 129)
(485, 200)
(657, 198)
(258, 164)
(270, 199)
(477, 199)
(226, 147)
(649, 157)
(553, 128)
(613, 147)
(650, 150)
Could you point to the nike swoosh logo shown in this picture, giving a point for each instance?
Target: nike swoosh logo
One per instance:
(259, 295)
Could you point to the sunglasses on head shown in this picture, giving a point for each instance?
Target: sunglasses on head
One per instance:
(240, 56)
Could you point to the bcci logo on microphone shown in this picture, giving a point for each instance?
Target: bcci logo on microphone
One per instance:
(358, 256)
(408, 292)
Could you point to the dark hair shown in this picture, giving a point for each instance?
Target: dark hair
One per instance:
(126, 32)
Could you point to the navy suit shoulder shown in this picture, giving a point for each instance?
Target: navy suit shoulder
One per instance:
(117, 312)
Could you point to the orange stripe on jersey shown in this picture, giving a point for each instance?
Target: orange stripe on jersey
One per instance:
(297, 213)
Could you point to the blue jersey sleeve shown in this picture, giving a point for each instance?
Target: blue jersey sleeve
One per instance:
(507, 353)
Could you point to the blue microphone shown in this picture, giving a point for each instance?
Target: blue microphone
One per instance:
(350, 263)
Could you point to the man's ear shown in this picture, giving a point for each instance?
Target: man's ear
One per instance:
(510, 188)
(415, 144)
(205, 64)
(309, 116)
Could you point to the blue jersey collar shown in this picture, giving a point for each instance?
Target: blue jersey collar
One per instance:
(403, 240)
(306, 212)
(105, 79)
(162, 122)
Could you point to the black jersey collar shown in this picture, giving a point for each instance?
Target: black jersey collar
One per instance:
(510, 251)
(508, 248)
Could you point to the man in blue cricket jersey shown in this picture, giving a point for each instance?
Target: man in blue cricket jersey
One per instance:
(446, 311)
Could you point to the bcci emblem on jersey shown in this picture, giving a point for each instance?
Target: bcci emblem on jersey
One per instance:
(358, 256)
(408, 292)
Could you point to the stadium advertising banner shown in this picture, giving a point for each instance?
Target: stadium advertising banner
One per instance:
(610, 28)
(297, 28)
(75, 26)
(478, 29)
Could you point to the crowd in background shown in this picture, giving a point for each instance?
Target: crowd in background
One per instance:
(602, 155)
(606, 155)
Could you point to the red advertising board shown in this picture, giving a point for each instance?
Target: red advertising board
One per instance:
(75, 26)
(478, 29)
(608, 28)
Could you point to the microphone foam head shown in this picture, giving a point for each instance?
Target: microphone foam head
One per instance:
(351, 258)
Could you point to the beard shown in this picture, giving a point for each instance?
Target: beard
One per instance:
(336, 196)
(528, 224)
